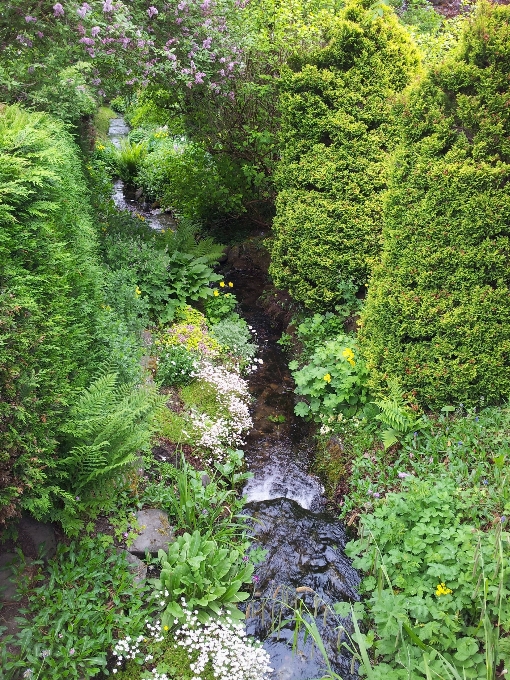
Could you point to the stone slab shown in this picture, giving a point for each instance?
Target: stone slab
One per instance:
(37, 538)
(7, 583)
(155, 532)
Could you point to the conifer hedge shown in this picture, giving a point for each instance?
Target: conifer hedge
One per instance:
(336, 130)
(438, 310)
(49, 294)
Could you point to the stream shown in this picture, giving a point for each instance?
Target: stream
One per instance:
(305, 545)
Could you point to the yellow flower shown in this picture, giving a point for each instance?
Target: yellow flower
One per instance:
(165, 627)
(441, 589)
(327, 378)
(138, 291)
(222, 284)
(100, 147)
(216, 293)
(230, 284)
(348, 354)
(352, 362)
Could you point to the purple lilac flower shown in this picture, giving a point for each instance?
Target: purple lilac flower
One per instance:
(152, 11)
(29, 19)
(94, 31)
(87, 41)
(107, 6)
(403, 475)
(58, 10)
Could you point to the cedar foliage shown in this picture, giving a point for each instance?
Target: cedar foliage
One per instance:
(438, 310)
(49, 292)
(336, 128)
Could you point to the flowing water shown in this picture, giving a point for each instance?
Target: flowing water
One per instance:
(305, 545)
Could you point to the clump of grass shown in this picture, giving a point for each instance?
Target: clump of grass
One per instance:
(102, 122)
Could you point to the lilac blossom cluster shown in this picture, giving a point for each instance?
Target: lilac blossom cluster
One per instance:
(188, 41)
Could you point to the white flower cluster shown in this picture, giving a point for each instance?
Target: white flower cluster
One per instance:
(129, 648)
(227, 430)
(225, 382)
(225, 644)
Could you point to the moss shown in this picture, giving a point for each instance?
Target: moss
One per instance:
(170, 659)
(172, 426)
(202, 396)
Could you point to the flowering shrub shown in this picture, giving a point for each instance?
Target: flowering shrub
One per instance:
(191, 332)
(333, 380)
(198, 572)
(225, 645)
(221, 304)
(219, 433)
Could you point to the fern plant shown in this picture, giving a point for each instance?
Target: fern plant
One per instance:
(396, 416)
(185, 239)
(108, 426)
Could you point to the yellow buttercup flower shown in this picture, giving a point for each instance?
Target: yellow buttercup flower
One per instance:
(441, 589)
(222, 284)
(230, 284)
(138, 291)
(327, 378)
(165, 628)
(216, 293)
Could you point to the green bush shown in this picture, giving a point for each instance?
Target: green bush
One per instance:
(50, 285)
(235, 339)
(333, 381)
(184, 177)
(435, 582)
(336, 129)
(437, 316)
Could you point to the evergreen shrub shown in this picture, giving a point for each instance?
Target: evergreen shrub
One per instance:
(49, 293)
(437, 316)
(336, 128)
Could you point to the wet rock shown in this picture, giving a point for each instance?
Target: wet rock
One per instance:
(156, 532)
(138, 193)
(36, 538)
(136, 566)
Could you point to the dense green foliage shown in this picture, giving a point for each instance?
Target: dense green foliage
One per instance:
(50, 294)
(335, 108)
(438, 311)
(88, 595)
(436, 581)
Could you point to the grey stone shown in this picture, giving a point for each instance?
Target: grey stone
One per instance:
(155, 532)
(7, 583)
(138, 193)
(206, 480)
(37, 538)
(137, 567)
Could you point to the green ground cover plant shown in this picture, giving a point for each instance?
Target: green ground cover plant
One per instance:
(437, 314)
(77, 606)
(435, 581)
